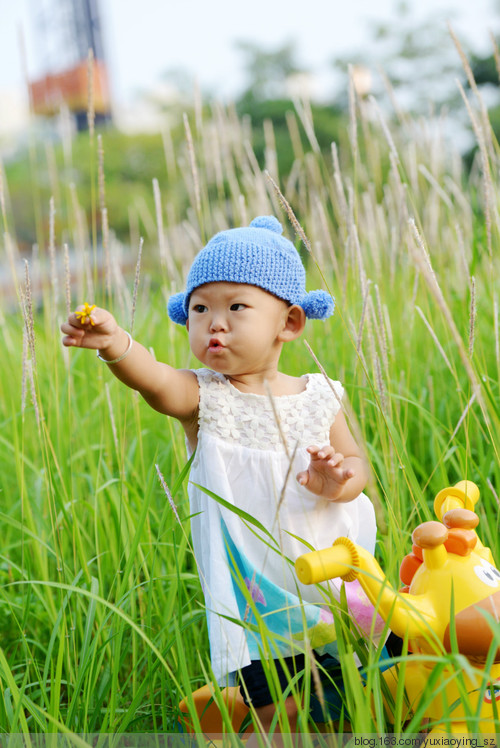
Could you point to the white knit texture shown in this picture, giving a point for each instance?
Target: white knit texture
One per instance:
(304, 418)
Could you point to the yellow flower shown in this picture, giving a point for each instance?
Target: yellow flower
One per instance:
(85, 313)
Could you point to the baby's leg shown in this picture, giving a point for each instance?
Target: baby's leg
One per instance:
(256, 692)
(266, 715)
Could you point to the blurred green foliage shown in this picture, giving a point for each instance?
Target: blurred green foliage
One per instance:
(329, 126)
(131, 162)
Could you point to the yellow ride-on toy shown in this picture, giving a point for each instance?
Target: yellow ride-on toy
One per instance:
(450, 603)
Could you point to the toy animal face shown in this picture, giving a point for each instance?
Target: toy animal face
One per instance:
(473, 630)
(452, 571)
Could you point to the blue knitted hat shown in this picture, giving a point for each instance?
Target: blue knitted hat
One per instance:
(256, 255)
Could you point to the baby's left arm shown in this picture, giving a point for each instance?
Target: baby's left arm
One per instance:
(337, 471)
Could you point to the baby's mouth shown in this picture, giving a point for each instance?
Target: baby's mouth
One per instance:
(215, 345)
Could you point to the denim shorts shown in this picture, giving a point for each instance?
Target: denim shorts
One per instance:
(256, 688)
(259, 693)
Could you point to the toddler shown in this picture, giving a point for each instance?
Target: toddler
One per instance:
(274, 446)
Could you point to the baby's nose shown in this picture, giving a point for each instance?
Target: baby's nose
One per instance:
(218, 323)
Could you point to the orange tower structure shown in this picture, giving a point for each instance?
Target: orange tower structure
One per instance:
(66, 31)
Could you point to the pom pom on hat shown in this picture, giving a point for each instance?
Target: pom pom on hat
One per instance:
(318, 305)
(175, 308)
(267, 222)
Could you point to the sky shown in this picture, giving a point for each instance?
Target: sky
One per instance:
(145, 38)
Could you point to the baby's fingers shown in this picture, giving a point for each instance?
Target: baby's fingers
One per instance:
(321, 453)
(79, 338)
(303, 478)
(72, 335)
(347, 475)
(336, 459)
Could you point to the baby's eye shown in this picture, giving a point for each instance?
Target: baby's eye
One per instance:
(237, 307)
(199, 308)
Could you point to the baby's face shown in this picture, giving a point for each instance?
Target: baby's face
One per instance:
(234, 328)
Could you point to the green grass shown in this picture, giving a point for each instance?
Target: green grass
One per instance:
(101, 612)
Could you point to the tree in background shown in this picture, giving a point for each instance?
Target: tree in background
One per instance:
(276, 85)
(267, 71)
(486, 71)
(412, 59)
(414, 63)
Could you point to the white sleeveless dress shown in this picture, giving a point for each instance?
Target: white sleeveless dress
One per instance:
(248, 554)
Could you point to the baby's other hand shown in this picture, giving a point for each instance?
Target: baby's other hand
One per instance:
(89, 327)
(326, 475)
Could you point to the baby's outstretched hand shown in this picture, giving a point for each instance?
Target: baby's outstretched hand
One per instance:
(326, 475)
(89, 327)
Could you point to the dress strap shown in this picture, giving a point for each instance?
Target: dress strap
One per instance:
(213, 388)
(331, 389)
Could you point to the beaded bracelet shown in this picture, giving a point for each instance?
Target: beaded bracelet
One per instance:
(120, 358)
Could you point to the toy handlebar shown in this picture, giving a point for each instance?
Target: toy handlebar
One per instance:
(463, 495)
(336, 561)
(351, 562)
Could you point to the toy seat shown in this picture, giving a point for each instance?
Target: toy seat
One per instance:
(208, 711)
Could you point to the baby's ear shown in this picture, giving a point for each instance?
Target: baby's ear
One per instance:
(294, 323)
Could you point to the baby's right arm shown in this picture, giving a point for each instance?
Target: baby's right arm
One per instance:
(173, 392)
